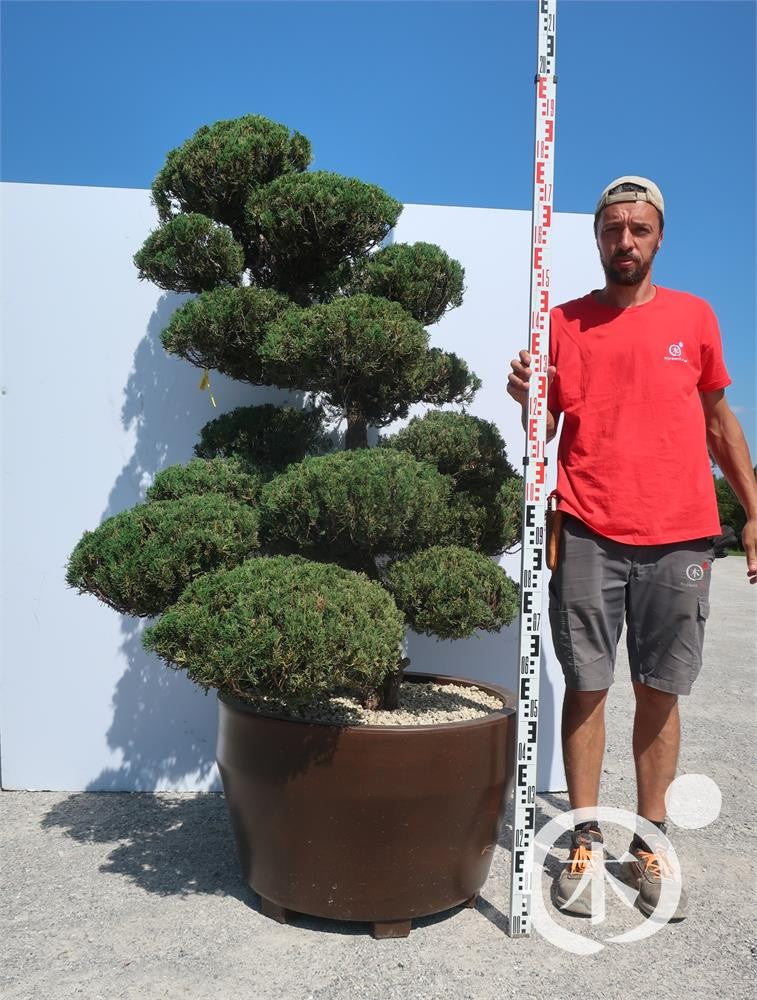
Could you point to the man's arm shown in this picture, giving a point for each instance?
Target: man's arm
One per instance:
(728, 447)
(517, 387)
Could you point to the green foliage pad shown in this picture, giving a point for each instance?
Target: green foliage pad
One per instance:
(366, 355)
(364, 502)
(449, 591)
(420, 276)
(190, 253)
(216, 171)
(488, 492)
(139, 561)
(268, 436)
(231, 477)
(303, 229)
(224, 328)
(282, 627)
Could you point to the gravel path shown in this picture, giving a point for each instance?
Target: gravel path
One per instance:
(139, 896)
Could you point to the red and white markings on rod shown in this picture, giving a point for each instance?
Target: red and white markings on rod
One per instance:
(533, 543)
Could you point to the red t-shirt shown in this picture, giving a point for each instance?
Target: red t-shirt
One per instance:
(632, 461)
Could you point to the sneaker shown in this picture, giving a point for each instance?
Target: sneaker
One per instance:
(585, 861)
(648, 872)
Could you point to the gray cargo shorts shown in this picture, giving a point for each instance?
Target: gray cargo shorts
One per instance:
(661, 590)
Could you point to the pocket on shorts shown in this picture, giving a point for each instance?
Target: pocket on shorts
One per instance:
(562, 639)
(703, 613)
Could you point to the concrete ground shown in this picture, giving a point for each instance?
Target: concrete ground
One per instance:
(139, 896)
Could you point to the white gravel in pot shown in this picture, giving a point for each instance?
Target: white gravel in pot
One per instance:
(420, 704)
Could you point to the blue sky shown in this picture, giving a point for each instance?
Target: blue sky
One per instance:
(431, 100)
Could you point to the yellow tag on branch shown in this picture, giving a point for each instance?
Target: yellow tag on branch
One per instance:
(205, 384)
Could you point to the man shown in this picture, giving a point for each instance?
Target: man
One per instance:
(637, 373)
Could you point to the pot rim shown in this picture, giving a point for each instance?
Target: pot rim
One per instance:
(509, 703)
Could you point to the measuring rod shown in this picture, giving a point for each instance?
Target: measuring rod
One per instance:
(533, 564)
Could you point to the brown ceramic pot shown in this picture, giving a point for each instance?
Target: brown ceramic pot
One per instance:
(371, 823)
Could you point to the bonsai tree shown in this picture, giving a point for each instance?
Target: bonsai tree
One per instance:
(279, 568)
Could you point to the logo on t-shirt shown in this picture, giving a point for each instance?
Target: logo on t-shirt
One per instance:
(675, 353)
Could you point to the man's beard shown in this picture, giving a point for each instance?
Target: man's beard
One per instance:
(632, 277)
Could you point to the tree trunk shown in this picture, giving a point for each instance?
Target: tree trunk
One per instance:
(359, 563)
(386, 698)
(357, 430)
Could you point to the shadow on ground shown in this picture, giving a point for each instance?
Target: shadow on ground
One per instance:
(164, 845)
(179, 846)
(183, 845)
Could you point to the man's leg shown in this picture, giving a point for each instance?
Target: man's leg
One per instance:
(583, 744)
(668, 603)
(587, 598)
(587, 602)
(667, 608)
(656, 739)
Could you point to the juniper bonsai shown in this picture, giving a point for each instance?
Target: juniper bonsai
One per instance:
(279, 567)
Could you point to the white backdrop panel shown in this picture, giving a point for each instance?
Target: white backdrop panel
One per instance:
(94, 407)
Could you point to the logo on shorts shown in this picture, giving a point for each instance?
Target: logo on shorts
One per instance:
(695, 572)
(675, 353)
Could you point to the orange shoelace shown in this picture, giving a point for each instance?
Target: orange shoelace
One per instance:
(655, 863)
(580, 860)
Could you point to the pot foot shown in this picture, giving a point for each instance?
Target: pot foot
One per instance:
(391, 928)
(273, 910)
(471, 903)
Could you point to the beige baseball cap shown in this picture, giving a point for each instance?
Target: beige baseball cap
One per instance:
(651, 193)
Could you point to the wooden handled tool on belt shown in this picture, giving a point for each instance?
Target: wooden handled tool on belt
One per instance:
(554, 520)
